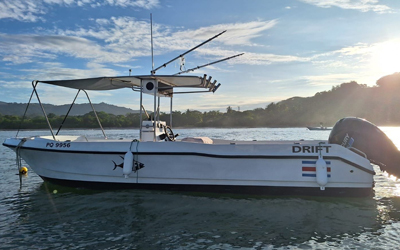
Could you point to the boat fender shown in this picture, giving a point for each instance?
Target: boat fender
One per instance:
(321, 172)
(128, 164)
(23, 170)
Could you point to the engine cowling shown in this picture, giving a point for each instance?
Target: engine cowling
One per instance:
(358, 133)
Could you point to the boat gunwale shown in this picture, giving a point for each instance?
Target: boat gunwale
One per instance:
(236, 156)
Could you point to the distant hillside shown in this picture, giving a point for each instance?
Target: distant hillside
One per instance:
(379, 104)
(18, 109)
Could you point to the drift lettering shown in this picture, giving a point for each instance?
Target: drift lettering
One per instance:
(310, 149)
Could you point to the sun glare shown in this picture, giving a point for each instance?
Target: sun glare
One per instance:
(393, 133)
(386, 57)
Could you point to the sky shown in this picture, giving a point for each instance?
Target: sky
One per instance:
(291, 47)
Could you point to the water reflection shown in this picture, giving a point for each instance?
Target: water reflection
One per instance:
(38, 217)
(74, 218)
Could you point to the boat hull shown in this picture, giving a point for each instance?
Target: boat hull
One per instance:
(225, 166)
(319, 128)
(220, 189)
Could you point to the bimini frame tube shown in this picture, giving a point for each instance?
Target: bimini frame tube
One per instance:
(141, 109)
(70, 107)
(158, 108)
(95, 113)
(26, 109)
(170, 112)
(44, 112)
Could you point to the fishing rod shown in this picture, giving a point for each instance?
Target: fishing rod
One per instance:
(208, 64)
(201, 44)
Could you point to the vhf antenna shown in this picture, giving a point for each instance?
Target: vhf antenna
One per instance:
(208, 64)
(153, 71)
(152, 56)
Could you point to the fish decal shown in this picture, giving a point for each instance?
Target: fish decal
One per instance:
(118, 165)
(136, 165)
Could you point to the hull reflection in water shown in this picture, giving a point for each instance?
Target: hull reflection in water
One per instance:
(43, 216)
(152, 220)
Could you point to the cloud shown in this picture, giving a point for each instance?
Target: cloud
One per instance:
(350, 57)
(131, 38)
(328, 79)
(15, 84)
(127, 33)
(21, 10)
(360, 5)
(248, 57)
(32, 10)
(369, 61)
(123, 35)
(385, 51)
(54, 71)
(57, 71)
(145, 4)
(18, 49)
(237, 33)
(121, 40)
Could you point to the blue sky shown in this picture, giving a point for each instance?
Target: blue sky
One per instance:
(292, 47)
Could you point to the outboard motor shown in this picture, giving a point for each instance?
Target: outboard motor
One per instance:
(358, 133)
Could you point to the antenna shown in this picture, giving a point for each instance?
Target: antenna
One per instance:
(152, 56)
(208, 64)
(201, 44)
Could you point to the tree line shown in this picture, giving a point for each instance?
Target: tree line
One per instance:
(378, 104)
(189, 118)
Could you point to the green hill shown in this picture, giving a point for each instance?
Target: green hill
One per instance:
(378, 104)
(78, 109)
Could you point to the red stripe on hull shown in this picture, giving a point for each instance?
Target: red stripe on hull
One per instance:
(312, 169)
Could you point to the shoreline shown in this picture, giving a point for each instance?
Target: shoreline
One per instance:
(136, 128)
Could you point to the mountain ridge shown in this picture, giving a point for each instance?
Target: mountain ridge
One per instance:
(34, 109)
(378, 104)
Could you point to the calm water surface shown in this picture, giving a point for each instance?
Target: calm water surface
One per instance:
(44, 216)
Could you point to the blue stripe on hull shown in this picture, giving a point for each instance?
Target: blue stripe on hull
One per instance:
(312, 175)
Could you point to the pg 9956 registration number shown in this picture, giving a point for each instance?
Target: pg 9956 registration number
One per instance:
(58, 145)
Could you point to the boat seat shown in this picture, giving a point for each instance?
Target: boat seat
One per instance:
(204, 140)
(81, 138)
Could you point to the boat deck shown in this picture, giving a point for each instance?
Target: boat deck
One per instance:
(201, 140)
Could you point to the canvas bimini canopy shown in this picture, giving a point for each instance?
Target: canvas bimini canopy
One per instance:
(165, 83)
(156, 85)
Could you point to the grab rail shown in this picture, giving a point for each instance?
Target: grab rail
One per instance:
(359, 151)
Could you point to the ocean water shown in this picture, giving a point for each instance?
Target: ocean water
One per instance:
(45, 216)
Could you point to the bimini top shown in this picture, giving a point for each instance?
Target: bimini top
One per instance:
(166, 83)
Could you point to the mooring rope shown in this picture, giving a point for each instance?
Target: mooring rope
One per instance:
(17, 151)
(135, 165)
(19, 159)
(136, 160)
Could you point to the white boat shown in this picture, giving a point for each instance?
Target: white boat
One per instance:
(319, 128)
(160, 161)
(340, 166)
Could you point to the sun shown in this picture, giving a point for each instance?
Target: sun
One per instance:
(386, 57)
